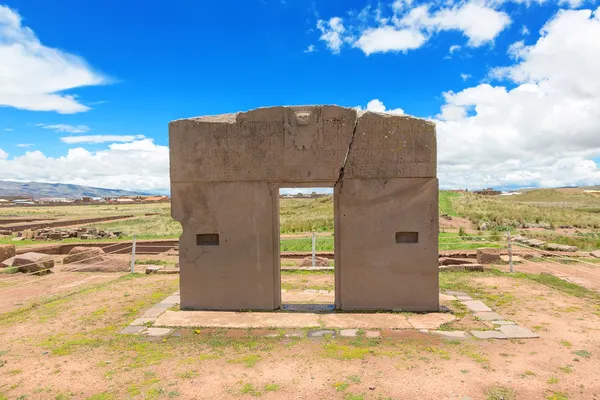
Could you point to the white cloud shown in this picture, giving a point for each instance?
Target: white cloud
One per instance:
(33, 76)
(543, 131)
(571, 3)
(388, 38)
(411, 27)
(465, 76)
(332, 32)
(377, 105)
(453, 48)
(8, 129)
(310, 48)
(100, 138)
(24, 145)
(66, 128)
(137, 165)
(524, 30)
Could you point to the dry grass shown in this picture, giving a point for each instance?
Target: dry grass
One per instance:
(522, 212)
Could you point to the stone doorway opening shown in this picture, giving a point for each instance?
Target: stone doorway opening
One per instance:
(306, 227)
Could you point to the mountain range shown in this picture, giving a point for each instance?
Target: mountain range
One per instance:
(42, 189)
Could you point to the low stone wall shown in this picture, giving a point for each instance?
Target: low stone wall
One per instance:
(61, 222)
(141, 247)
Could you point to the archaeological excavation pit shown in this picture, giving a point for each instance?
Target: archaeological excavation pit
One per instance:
(226, 172)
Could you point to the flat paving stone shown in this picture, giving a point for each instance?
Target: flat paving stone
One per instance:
(476, 306)
(294, 334)
(489, 335)
(446, 297)
(488, 316)
(142, 321)
(430, 320)
(517, 332)
(132, 330)
(233, 319)
(372, 334)
(320, 333)
(308, 307)
(163, 304)
(349, 332)
(503, 322)
(153, 312)
(365, 321)
(451, 334)
(455, 293)
(158, 332)
(463, 298)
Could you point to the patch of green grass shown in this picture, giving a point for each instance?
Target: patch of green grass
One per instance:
(500, 393)
(306, 215)
(583, 353)
(271, 387)
(557, 396)
(345, 352)
(101, 396)
(566, 344)
(249, 388)
(351, 396)
(552, 380)
(188, 375)
(249, 361)
(567, 369)
(446, 200)
(323, 243)
(152, 262)
(340, 386)
(354, 378)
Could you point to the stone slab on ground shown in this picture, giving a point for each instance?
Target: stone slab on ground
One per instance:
(365, 321)
(233, 319)
(320, 333)
(142, 321)
(503, 322)
(455, 293)
(463, 298)
(158, 332)
(446, 297)
(476, 305)
(372, 334)
(132, 330)
(153, 312)
(517, 332)
(595, 253)
(452, 334)
(488, 316)
(489, 335)
(348, 332)
(430, 320)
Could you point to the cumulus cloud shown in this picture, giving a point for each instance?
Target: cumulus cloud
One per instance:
(33, 76)
(540, 128)
(66, 128)
(310, 48)
(377, 105)
(409, 27)
(24, 145)
(100, 138)
(332, 32)
(465, 76)
(141, 164)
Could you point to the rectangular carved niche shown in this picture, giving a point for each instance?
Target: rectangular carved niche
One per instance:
(407, 237)
(207, 239)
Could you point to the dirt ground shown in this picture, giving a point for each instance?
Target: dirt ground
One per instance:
(67, 347)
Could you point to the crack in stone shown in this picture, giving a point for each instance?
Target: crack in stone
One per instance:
(342, 169)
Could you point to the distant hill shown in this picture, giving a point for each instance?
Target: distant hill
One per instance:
(41, 189)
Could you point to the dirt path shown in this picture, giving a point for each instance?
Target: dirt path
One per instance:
(581, 274)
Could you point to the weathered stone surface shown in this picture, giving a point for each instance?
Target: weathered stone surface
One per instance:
(560, 247)
(488, 316)
(488, 256)
(517, 332)
(142, 321)
(33, 262)
(226, 172)
(446, 298)
(489, 335)
(476, 305)
(453, 261)
(595, 253)
(372, 334)
(320, 333)
(84, 255)
(107, 265)
(158, 332)
(348, 332)
(151, 269)
(6, 251)
(503, 322)
(132, 330)
(319, 262)
(452, 334)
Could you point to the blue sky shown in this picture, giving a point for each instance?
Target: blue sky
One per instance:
(112, 74)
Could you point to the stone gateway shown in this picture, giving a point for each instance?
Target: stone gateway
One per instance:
(226, 172)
